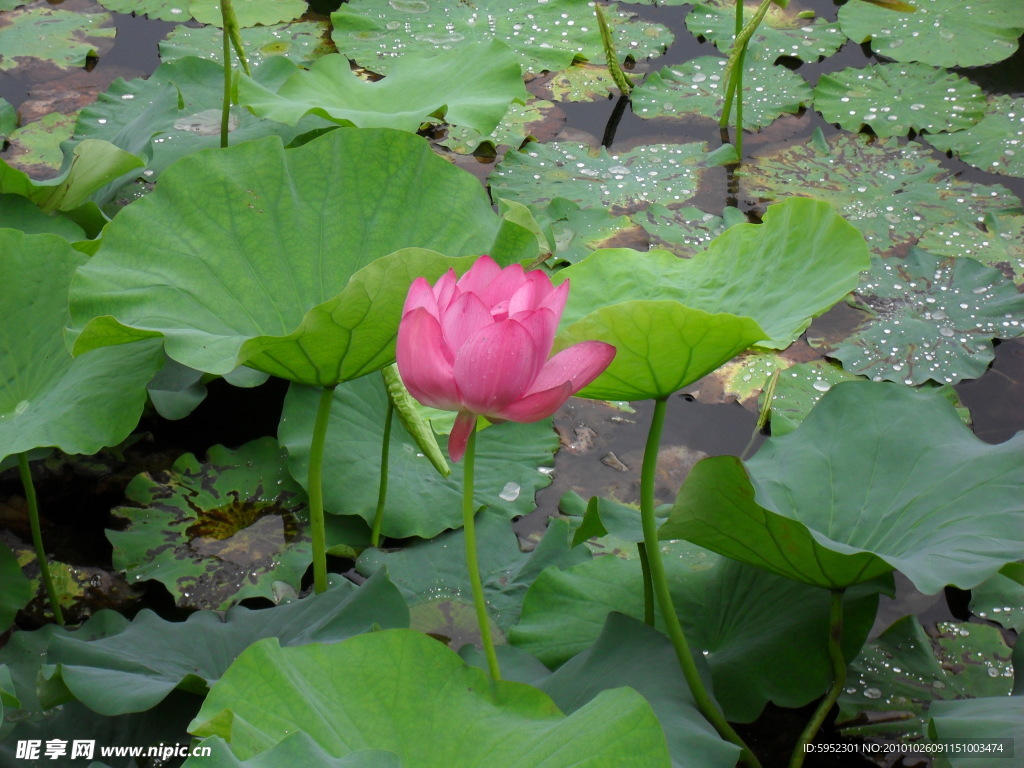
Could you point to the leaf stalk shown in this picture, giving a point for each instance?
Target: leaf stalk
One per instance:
(37, 536)
(315, 489)
(472, 561)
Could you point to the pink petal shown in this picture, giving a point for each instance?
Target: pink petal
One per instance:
(479, 276)
(542, 324)
(555, 299)
(464, 425)
(495, 366)
(420, 295)
(580, 364)
(503, 286)
(538, 405)
(445, 290)
(526, 296)
(424, 361)
(464, 317)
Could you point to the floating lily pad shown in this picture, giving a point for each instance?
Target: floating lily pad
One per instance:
(683, 231)
(734, 613)
(36, 146)
(167, 10)
(60, 37)
(513, 129)
(401, 690)
(698, 86)
(301, 42)
(784, 31)
(799, 389)
(997, 241)
(930, 318)
(893, 99)
(576, 232)
(275, 258)
(509, 463)
(248, 12)
(115, 666)
(893, 194)
(413, 93)
(878, 477)
(996, 143)
(1001, 598)
(219, 531)
(433, 578)
(581, 82)
(545, 36)
(901, 674)
(47, 397)
(654, 173)
(946, 33)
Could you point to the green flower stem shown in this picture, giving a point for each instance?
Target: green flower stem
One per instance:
(37, 536)
(835, 654)
(382, 493)
(668, 612)
(611, 55)
(315, 489)
(734, 68)
(232, 36)
(645, 568)
(233, 31)
(738, 90)
(472, 563)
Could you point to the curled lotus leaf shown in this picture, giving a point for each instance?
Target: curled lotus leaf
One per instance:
(930, 318)
(218, 531)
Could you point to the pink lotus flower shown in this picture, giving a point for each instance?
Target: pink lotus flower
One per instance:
(479, 345)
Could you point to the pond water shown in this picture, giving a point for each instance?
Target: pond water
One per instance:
(602, 445)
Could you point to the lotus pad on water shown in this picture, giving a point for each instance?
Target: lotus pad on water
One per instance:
(996, 143)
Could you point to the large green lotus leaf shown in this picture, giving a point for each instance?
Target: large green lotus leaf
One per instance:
(124, 667)
(573, 233)
(218, 531)
(1001, 598)
(973, 720)
(930, 318)
(63, 38)
(877, 477)
(263, 247)
(698, 86)
(653, 173)
(785, 31)
(177, 111)
(17, 589)
(892, 193)
(893, 99)
(547, 36)
(902, 674)
(432, 574)
(799, 389)
(996, 143)
(515, 127)
(660, 346)
(413, 93)
(997, 241)
(17, 212)
(47, 397)
(401, 691)
(683, 231)
(301, 42)
(946, 33)
(297, 748)
(796, 264)
(91, 165)
(628, 652)
(511, 459)
(736, 614)
(248, 12)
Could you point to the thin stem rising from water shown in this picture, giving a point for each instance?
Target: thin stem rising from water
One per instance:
(37, 536)
(315, 488)
(382, 493)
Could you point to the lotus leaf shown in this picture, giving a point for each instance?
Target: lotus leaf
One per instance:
(167, 10)
(930, 318)
(546, 36)
(893, 99)
(297, 748)
(907, 671)
(47, 397)
(576, 232)
(514, 128)
(993, 717)
(400, 690)
(17, 212)
(581, 82)
(115, 667)
(219, 531)
(301, 42)
(16, 593)
(995, 143)
(248, 12)
(799, 389)
(892, 193)
(272, 258)
(413, 93)
(735, 613)
(683, 231)
(1001, 598)
(997, 241)
(509, 467)
(784, 31)
(878, 477)
(61, 37)
(698, 86)
(946, 33)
